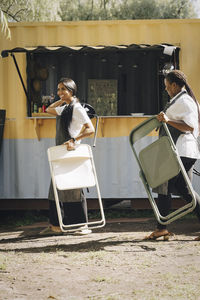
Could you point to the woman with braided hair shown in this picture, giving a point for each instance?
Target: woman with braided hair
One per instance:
(72, 125)
(182, 115)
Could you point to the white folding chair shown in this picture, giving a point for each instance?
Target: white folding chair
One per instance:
(74, 170)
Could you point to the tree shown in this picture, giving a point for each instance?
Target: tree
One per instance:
(68, 10)
(31, 10)
(88, 9)
(27, 10)
(155, 9)
(137, 9)
(180, 9)
(44, 11)
(4, 25)
(126, 9)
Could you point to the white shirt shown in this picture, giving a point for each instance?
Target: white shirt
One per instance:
(185, 109)
(79, 118)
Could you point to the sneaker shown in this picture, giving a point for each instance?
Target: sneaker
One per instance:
(84, 230)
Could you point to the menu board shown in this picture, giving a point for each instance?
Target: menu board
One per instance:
(102, 95)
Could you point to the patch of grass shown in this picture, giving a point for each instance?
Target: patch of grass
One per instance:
(105, 279)
(3, 264)
(21, 218)
(115, 213)
(100, 255)
(100, 279)
(121, 213)
(189, 216)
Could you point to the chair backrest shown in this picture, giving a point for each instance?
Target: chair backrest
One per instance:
(143, 129)
(159, 162)
(72, 169)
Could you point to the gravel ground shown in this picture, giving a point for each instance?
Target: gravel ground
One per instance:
(112, 263)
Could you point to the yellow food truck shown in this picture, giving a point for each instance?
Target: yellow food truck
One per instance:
(118, 67)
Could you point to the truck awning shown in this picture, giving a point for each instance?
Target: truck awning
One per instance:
(162, 49)
(167, 49)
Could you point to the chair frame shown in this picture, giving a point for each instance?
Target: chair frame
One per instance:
(75, 227)
(140, 131)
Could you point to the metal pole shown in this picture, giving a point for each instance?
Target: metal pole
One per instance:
(19, 73)
(96, 129)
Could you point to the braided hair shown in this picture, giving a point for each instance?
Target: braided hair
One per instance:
(66, 116)
(181, 80)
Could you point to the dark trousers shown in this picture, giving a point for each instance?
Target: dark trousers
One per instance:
(164, 201)
(72, 212)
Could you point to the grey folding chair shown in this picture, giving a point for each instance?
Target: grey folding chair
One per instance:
(158, 162)
(74, 170)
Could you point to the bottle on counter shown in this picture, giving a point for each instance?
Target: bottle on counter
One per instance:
(35, 108)
(43, 108)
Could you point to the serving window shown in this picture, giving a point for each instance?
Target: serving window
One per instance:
(115, 80)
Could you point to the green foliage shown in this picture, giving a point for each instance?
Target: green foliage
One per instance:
(155, 9)
(137, 9)
(31, 10)
(21, 218)
(27, 10)
(121, 213)
(127, 9)
(179, 9)
(67, 10)
(45, 10)
(86, 9)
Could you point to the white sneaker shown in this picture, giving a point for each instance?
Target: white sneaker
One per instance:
(83, 230)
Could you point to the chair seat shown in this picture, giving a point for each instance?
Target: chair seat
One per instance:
(159, 162)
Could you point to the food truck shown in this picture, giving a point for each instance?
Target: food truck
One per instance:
(118, 67)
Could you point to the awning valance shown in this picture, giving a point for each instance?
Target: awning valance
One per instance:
(166, 48)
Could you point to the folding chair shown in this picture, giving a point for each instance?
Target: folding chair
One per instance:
(158, 162)
(74, 170)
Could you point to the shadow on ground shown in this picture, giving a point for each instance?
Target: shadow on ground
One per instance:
(116, 232)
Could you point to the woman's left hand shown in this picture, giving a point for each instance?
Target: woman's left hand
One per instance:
(70, 145)
(161, 117)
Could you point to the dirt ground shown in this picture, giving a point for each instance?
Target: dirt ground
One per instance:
(112, 263)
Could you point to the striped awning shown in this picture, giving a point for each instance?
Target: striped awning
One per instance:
(166, 48)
